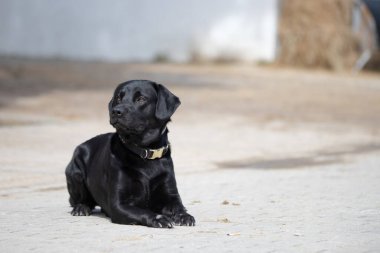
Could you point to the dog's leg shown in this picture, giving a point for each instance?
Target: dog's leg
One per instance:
(131, 215)
(169, 203)
(177, 212)
(80, 198)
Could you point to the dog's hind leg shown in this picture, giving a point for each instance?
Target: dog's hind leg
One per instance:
(80, 198)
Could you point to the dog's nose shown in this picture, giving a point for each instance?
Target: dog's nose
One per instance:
(117, 112)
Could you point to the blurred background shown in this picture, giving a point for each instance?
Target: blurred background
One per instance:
(279, 115)
(262, 52)
(265, 70)
(338, 34)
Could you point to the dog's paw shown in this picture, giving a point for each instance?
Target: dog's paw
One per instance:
(81, 210)
(184, 219)
(161, 221)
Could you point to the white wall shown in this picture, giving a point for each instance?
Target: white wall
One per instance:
(128, 30)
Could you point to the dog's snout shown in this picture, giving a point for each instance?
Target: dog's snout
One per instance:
(118, 112)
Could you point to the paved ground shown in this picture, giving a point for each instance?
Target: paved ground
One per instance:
(267, 160)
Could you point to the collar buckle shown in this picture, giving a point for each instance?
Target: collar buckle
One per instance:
(146, 155)
(156, 153)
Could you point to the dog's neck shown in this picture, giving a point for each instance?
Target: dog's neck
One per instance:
(152, 138)
(156, 149)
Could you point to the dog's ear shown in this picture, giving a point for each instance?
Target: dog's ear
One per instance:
(167, 103)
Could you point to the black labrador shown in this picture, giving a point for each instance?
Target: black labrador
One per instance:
(129, 174)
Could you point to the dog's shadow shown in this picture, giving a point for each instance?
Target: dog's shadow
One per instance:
(97, 212)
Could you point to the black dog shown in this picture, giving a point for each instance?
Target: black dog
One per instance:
(129, 174)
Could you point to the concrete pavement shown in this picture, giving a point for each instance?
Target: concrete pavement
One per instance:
(266, 160)
(325, 199)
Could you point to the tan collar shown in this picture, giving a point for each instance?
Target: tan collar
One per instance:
(146, 153)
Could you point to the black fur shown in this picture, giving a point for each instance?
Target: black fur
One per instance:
(128, 188)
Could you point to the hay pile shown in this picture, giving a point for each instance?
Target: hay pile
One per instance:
(317, 34)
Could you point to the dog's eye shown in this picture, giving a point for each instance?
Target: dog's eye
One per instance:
(141, 99)
(120, 97)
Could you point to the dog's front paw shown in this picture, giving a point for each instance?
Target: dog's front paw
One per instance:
(161, 221)
(184, 219)
(81, 210)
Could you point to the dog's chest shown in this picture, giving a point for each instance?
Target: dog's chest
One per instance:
(142, 185)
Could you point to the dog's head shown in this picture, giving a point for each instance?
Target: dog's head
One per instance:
(140, 110)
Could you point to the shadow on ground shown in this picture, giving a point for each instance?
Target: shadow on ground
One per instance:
(318, 159)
